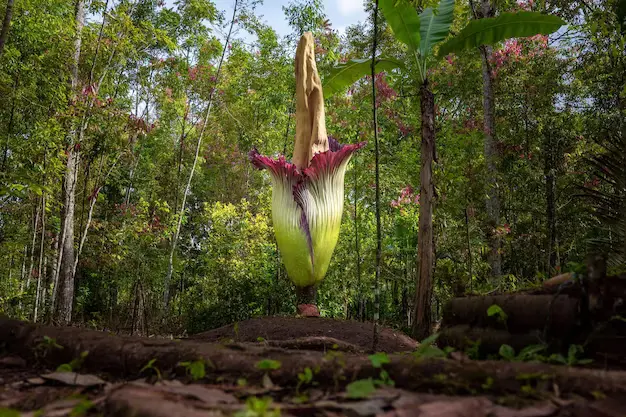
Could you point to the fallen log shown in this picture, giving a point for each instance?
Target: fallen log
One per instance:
(126, 356)
(463, 337)
(524, 313)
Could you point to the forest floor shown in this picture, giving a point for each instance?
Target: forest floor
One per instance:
(301, 367)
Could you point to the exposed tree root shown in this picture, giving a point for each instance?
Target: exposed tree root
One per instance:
(125, 356)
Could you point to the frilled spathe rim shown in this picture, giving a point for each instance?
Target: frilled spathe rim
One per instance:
(307, 204)
(321, 163)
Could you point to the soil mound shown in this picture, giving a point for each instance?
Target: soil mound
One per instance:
(311, 333)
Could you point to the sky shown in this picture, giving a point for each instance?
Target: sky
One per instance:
(341, 13)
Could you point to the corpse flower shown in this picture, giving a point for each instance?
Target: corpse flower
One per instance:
(307, 195)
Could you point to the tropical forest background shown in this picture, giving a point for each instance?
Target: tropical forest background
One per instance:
(101, 225)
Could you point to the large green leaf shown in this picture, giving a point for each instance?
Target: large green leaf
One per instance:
(495, 29)
(403, 20)
(344, 75)
(435, 25)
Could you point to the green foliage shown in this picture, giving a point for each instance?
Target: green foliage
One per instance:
(435, 26)
(379, 359)
(497, 312)
(305, 378)
(361, 388)
(9, 412)
(268, 365)
(259, 407)
(558, 109)
(45, 346)
(343, 75)
(489, 31)
(404, 21)
(535, 353)
(573, 357)
(507, 352)
(151, 367)
(195, 369)
(427, 349)
(74, 364)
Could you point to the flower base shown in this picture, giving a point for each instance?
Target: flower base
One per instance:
(306, 301)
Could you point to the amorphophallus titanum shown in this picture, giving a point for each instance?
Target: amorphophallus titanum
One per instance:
(307, 195)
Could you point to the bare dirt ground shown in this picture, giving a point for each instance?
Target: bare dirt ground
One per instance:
(310, 332)
(132, 376)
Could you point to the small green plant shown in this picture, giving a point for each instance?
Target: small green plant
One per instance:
(48, 344)
(507, 352)
(361, 388)
(268, 365)
(573, 357)
(150, 367)
(378, 360)
(497, 312)
(473, 349)
(195, 369)
(236, 330)
(339, 365)
(304, 378)
(74, 364)
(427, 349)
(527, 354)
(534, 353)
(259, 407)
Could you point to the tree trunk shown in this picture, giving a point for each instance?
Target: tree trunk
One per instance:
(377, 181)
(10, 126)
(41, 271)
(549, 174)
(32, 248)
(65, 291)
(492, 204)
(4, 34)
(422, 319)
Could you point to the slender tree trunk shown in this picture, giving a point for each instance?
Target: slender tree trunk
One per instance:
(32, 248)
(424, 285)
(10, 126)
(65, 291)
(4, 34)
(469, 251)
(549, 172)
(40, 270)
(174, 241)
(92, 204)
(23, 273)
(54, 268)
(492, 204)
(377, 179)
